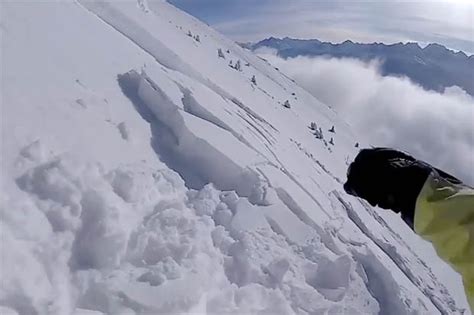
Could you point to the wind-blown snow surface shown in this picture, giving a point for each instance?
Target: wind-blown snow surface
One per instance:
(142, 174)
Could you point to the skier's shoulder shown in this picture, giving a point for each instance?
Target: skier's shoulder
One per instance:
(382, 155)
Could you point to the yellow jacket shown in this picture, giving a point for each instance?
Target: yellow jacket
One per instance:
(444, 216)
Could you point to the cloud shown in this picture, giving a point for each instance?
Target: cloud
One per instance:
(392, 111)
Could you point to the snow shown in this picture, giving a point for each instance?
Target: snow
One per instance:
(141, 174)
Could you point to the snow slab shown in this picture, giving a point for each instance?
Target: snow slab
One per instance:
(141, 174)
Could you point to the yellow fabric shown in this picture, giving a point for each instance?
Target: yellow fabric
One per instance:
(444, 215)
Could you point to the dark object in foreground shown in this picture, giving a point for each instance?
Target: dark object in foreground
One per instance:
(436, 205)
(390, 179)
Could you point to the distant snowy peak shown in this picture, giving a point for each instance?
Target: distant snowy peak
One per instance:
(434, 67)
(289, 42)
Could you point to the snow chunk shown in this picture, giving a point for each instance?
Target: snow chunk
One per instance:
(277, 269)
(247, 217)
(331, 278)
(206, 201)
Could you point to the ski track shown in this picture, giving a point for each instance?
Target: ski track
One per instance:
(318, 163)
(192, 107)
(391, 252)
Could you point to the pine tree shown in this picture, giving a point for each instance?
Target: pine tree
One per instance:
(237, 66)
(287, 104)
(313, 126)
(253, 80)
(220, 54)
(197, 38)
(331, 141)
(320, 133)
(332, 130)
(190, 34)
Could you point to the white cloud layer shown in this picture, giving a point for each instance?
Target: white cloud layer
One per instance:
(392, 111)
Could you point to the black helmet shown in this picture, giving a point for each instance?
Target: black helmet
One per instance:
(387, 178)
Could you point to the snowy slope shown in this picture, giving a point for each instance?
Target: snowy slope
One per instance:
(142, 174)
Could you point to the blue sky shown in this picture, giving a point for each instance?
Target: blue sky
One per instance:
(449, 22)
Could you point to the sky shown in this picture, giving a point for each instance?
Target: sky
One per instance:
(448, 22)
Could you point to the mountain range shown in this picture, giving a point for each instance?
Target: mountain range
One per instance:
(434, 67)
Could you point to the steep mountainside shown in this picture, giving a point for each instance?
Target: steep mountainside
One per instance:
(142, 174)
